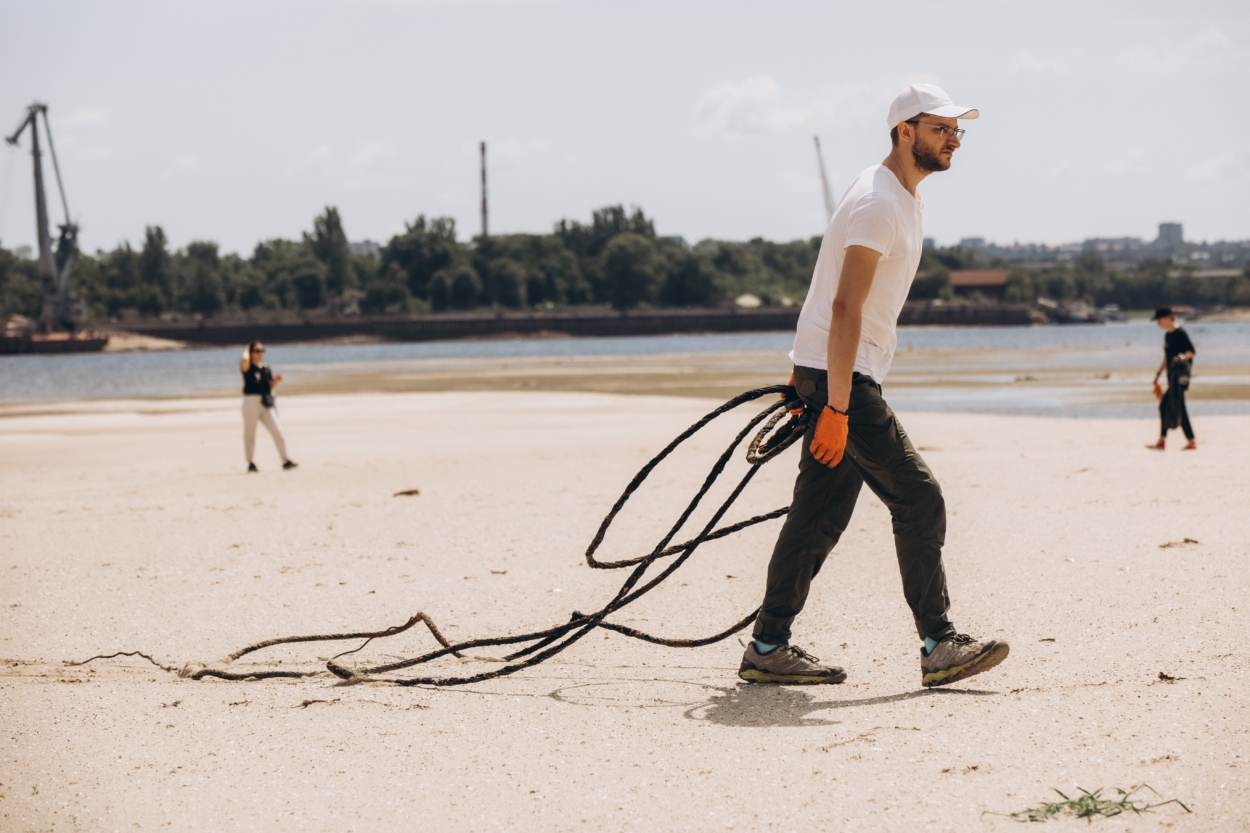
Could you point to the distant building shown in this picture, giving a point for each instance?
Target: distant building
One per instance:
(365, 247)
(991, 283)
(675, 238)
(930, 243)
(1170, 234)
(1118, 252)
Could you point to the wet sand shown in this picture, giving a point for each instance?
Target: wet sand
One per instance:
(1000, 380)
(131, 526)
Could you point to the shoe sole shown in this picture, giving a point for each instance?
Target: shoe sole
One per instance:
(754, 675)
(979, 663)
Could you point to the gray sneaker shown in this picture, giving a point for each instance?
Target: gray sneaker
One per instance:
(958, 657)
(786, 664)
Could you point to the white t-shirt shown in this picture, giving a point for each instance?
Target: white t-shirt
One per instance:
(878, 213)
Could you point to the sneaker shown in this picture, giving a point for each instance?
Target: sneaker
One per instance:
(786, 664)
(1161, 445)
(251, 468)
(290, 464)
(958, 657)
(1192, 445)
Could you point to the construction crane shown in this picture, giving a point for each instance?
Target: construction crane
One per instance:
(62, 308)
(830, 205)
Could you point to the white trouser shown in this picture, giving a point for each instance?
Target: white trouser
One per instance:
(253, 411)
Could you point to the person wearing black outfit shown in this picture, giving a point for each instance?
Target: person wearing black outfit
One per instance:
(1178, 357)
(258, 403)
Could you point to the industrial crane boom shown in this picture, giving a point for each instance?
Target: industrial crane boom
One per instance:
(62, 309)
(830, 205)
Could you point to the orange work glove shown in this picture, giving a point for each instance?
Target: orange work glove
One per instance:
(830, 441)
(1158, 390)
(795, 411)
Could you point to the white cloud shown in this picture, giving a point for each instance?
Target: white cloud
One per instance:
(79, 117)
(1208, 44)
(1203, 48)
(369, 154)
(1128, 160)
(1224, 166)
(752, 107)
(1025, 62)
(186, 163)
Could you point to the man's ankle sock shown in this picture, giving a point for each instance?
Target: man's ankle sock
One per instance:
(929, 645)
(762, 648)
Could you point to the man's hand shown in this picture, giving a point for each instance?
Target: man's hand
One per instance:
(798, 409)
(1158, 390)
(830, 441)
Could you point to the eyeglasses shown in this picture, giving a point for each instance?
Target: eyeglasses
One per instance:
(258, 349)
(943, 130)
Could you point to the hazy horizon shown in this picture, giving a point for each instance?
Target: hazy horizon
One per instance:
(239, 122)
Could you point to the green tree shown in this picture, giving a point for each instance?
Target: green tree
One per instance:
(934, 283)
(629, 270)
(386, 291)
(21, 292)
(203, 289)
(1238, 292)
(309, 282)
(156, 265)
(329, 245)
(424, 249)
(466, 288)
(504, 283)
(690, 281)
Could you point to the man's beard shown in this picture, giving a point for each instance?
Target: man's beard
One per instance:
(929, 160)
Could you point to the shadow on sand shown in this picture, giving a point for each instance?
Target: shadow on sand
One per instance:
(765, 705)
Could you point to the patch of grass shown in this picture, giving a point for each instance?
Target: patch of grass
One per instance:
(1089, 804)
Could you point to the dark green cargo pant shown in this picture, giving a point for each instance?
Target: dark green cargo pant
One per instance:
(878, 453)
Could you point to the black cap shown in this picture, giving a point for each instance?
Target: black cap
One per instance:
(1162, 312)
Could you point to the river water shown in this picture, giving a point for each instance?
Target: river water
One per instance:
(996, 353)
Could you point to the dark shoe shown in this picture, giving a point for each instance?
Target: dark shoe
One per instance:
(786, 664)
(958, 657)
(290, 464)
(251, 467)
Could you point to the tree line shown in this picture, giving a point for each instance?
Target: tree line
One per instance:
(1150, 282)
(615, 260)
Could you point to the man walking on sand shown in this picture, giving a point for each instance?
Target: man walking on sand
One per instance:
(842, 351)
(1178, 357)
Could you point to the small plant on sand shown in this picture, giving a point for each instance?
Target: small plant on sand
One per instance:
(1089, 804)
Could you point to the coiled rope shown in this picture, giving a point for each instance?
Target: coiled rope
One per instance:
(769, 441)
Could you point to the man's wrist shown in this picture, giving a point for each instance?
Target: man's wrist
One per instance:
(836, 411)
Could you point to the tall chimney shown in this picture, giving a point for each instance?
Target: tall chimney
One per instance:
(485, 227)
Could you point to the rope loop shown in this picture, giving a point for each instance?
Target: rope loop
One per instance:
(771, 439)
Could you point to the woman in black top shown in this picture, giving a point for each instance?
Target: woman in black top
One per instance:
(1178, 356)
(258, 403)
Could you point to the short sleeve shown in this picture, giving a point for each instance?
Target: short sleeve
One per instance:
(1186, 346)
(873, 224)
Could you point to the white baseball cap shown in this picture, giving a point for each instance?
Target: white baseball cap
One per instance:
(926, 98)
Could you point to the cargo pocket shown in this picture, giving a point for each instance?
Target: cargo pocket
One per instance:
(873, 435)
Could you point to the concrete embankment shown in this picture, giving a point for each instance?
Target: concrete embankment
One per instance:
(465, 325)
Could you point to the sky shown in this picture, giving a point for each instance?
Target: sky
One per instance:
(240, 121)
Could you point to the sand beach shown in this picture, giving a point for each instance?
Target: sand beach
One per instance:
(129, 525)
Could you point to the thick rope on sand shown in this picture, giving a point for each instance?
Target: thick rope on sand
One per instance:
(768, 442)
